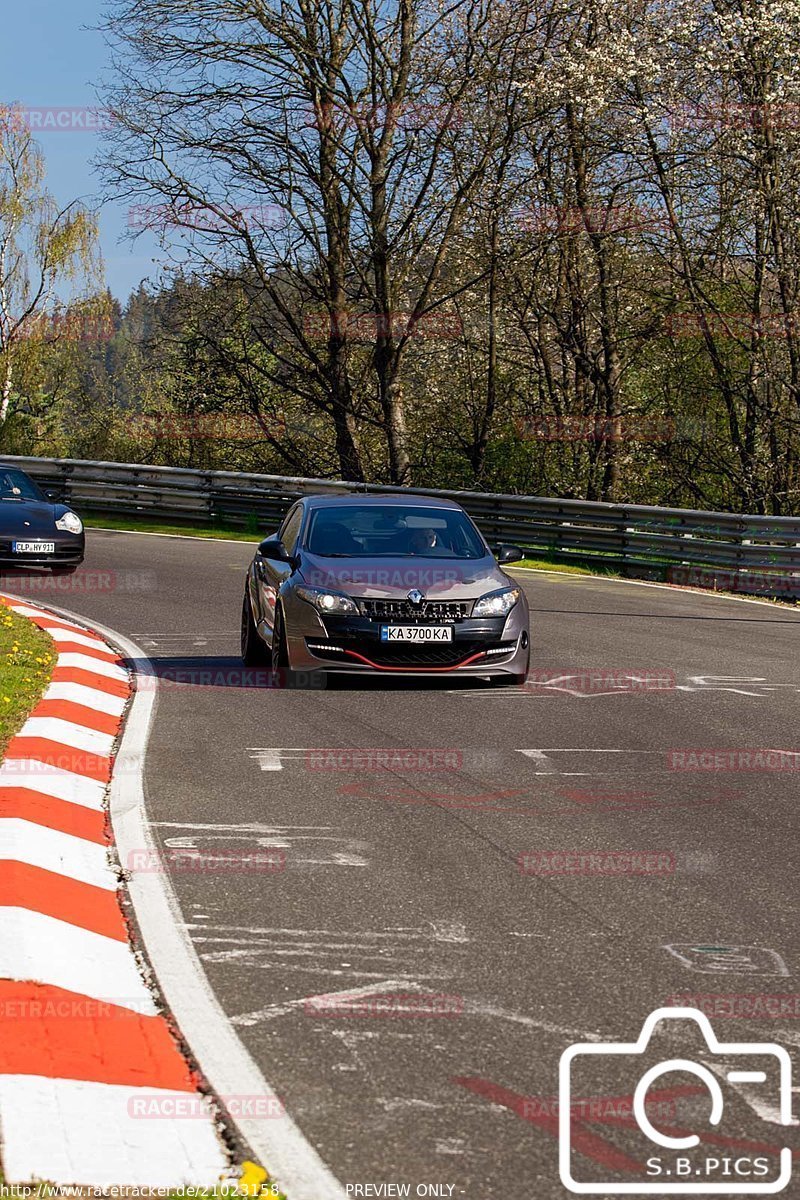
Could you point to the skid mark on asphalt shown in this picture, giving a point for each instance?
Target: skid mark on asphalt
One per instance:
(281, 1010)
(469, 1007)
(567, 684)
(178, 641)
(309, 845)
(378, 760)
(408, 955)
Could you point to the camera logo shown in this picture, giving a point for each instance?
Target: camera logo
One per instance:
(671, 1161)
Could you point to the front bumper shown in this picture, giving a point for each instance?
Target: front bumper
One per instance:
(69, 552)
(497, 646)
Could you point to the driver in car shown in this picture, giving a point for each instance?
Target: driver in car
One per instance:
(425, 541)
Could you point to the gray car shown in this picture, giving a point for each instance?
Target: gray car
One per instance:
(384, 584)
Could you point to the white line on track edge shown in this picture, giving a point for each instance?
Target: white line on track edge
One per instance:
(664, 587)
(278, 1145)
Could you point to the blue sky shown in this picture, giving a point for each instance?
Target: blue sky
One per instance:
(50, 56)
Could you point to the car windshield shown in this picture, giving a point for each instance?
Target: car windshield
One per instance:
(15, 485)
(393, 530)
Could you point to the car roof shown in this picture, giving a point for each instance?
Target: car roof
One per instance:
(370, 499)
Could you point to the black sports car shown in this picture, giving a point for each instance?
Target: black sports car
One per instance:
(35, 531)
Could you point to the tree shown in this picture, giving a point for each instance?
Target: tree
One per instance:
(41, 246)
(349, 119)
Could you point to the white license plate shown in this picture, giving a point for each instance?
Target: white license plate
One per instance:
(33, 547)
(416, 633)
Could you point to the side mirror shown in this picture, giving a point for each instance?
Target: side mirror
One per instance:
(52, 496)
(274, 548)
(506, 553)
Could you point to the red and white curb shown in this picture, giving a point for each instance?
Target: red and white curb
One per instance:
(94, 1089)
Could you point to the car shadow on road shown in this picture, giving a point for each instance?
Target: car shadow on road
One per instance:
(164, 673)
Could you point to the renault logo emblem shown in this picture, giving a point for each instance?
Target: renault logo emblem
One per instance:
(416, 597)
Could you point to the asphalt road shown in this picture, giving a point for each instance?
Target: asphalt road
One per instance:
(408, 881)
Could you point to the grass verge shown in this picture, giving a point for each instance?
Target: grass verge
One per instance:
(26, 663)
(544, 564)
(136, 525)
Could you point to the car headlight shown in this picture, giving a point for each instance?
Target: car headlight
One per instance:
(332, 603)
(70, 523)
(496, 604)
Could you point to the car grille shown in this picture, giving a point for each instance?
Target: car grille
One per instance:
(404, 610)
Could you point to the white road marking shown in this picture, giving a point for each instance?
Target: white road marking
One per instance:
(26, 610)
(663, 587)
(474, 1008)
(79, 693)
(76, 639)
(91, 1134)
(65, 1129)
(322, 940)
(277, 1144)
(585, 750)
(96, 666)
(544, 765)
(42, 949)
(721, 683)
(449, 931)
(52, 781)
(242, 956)
(53, 850)
(728, 960)
(350, 856)
(392, 1104)
(271, 1011)
(477, 1008)
(271, 758)
(245, 826)
(67, 733)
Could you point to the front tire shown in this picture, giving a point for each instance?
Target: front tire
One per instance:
(254, 652)
(280, 651)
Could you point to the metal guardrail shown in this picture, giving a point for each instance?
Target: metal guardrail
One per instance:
(730, 552)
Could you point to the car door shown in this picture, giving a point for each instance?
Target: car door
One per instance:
(271, 573)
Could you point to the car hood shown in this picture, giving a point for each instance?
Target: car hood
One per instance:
(27, 518)
(394, 578)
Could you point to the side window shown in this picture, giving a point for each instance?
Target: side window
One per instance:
(290, 529)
